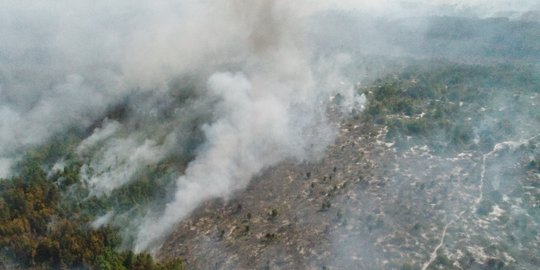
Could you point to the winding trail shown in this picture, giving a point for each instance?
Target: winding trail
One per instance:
(434, 253)
(496, 148)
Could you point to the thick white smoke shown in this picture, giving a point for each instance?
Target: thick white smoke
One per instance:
(268, 104)
(269, 111)
(63, 64)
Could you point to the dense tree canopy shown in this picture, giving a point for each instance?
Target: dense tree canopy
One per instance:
(40, 227)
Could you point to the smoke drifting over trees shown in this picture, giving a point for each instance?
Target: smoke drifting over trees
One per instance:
(206, 95)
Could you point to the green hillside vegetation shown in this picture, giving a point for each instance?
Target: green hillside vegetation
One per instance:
(452, 107)
(42, 226)
(45, 215)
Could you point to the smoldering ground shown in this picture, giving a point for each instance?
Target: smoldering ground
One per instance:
(238, 86)
(241, 80)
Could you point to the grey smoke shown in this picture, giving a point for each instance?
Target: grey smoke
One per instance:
(269, 112)
(261, 89)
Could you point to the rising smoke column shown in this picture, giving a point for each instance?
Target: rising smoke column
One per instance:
(269, 111)
(64, 64)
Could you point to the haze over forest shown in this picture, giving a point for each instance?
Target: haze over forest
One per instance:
(271, 134)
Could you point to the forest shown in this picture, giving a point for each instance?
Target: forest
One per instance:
(46, 213)
(451, 107)
(45, 220)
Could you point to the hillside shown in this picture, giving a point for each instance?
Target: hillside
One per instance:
(270, 134)
(432, 180)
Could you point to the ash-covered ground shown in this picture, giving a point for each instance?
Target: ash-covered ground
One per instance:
(367, 205)
(196, 131)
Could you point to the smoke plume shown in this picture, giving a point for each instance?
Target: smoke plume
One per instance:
(241, 85)
(269, 111)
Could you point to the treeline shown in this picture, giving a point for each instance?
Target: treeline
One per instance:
(44, 226)
(453, 107)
